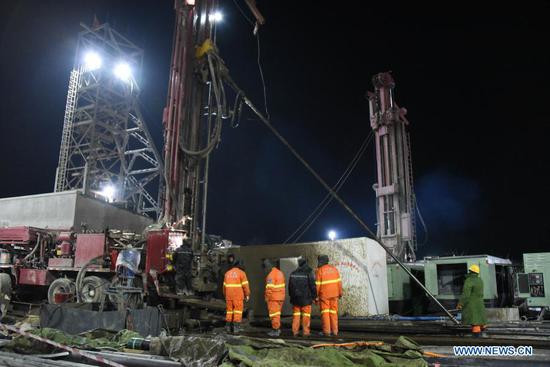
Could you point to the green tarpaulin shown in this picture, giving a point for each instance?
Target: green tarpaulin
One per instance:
(232, 351)
(96, 339)
(243, 352)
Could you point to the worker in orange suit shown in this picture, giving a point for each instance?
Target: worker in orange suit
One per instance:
(329, 291)
(274, 295)
(235, 290)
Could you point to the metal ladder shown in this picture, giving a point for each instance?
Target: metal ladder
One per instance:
(60, 181)
(138, 189)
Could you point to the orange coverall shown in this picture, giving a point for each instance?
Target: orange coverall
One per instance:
(329, 290)
(235, 289)
(305, 313)
(275, 296)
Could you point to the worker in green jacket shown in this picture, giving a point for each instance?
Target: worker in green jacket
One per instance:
(471, 301)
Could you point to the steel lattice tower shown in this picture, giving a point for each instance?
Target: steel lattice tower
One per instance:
(106, 149)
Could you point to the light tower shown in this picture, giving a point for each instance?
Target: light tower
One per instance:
(394, 187)
(106, 149)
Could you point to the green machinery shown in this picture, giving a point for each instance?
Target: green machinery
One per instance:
(530, 283)
(404, 295)
(444, 278)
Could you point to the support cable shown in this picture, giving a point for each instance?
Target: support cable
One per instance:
(335, 195)
(262, 74)
(258, 59)
(328, 199)
(243, 13)
(421, 221)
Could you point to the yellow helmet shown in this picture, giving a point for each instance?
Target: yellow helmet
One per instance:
(474, 268)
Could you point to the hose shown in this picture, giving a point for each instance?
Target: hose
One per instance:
(219, 95)
(422, 318)
(237, 109)
(81, 274)
(29, 255)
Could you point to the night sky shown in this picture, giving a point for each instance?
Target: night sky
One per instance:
(474, 81)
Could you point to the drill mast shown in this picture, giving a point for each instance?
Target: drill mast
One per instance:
(394, 188)
(188, 133)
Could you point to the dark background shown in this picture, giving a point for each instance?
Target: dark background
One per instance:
(474, 80)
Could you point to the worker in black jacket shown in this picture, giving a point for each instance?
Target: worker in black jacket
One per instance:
(302, 291)
(183, 261)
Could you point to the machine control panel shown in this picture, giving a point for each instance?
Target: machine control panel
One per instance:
(536, 285)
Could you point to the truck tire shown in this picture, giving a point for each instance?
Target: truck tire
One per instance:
(61, 285)
(5, 293)
(93, 289)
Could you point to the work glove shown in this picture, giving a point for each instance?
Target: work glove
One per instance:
(459, 307)
(246, 298)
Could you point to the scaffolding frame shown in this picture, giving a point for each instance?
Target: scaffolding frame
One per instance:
(105, 142)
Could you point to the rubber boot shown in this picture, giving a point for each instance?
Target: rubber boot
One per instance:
(236, 328)
(274, 332)
(228, 327)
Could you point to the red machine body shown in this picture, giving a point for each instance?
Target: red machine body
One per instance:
(160, 246)
(157, 244)
(89, 246)
(37, 256)
(35, 277)
(59, 263)
(19, 235)
(65, 248)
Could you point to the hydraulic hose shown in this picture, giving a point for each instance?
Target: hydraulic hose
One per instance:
(216, 86)
(81, 275)
(421, 318)
(29, 255)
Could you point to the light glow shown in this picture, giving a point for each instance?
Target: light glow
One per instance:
(216, 17)
(332, 235)
(123, 72)
(108, 193)
(92, 61)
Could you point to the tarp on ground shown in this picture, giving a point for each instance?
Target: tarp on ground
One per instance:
(95, 339)
(228, 351)
(232, 351)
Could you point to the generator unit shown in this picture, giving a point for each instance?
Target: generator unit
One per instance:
(531, 284)
(444, 278)
(404, 295)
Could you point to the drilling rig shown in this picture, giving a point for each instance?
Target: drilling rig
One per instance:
(395, 200)
(195, 109)
(192, 122)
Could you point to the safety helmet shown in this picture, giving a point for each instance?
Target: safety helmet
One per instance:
(322, 260)
(474, 268)
(267, 264)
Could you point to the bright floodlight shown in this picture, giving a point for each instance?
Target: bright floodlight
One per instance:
(332, 235)
(123, 72)
(92, 61)
(109, 193)
(216, 16)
